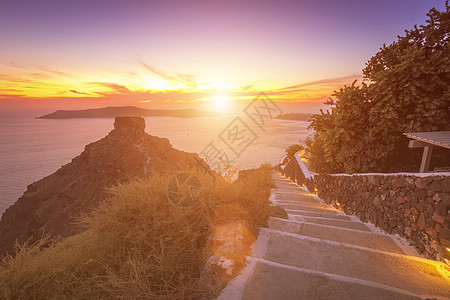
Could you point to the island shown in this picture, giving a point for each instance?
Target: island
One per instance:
(121, 111)
(295, 116)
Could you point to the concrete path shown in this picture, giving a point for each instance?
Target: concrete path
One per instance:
(321, 253)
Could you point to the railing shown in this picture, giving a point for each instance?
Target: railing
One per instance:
(297, 172)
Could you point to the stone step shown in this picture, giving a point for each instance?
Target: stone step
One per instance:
(337, 234)
(294, 210)
(324, 214)
(296, 196)
(340, 223)
(273, 281)
(416, 275)
(282, 180)
(292, 190)
(294, 202)
(315, 207)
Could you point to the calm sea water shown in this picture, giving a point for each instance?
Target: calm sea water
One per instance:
(33, 148)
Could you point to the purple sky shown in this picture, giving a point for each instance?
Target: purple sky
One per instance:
(49, 49)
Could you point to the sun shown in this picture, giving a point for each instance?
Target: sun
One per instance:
(220, 102)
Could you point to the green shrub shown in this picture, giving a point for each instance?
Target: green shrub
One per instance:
(408, 91)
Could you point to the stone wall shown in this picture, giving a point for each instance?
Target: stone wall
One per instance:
(411, 206)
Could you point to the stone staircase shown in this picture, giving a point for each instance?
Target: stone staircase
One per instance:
(321, 253)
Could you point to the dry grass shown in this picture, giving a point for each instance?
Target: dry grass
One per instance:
(137, 245)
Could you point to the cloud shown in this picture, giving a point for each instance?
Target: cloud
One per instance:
(36, 70)
(60, 73)
(184, 78)
(73, 92)
(334, 82)
(15, 79)
(40, 75)
(284, 91)
(190, 90)
(77, 92)
(247, 87)
(312, 91)
(114, 87)
(12, 96)
(10, 90)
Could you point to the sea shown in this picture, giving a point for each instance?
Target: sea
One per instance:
(31, 149)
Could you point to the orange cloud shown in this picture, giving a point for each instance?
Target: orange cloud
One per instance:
(327, 82)
(40, 85)
(113, 88)
(313, 91)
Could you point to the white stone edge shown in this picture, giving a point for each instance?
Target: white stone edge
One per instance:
(308, 175)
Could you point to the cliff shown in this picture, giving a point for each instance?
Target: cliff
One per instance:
(52, 203)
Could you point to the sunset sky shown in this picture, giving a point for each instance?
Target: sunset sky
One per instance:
(200, 54)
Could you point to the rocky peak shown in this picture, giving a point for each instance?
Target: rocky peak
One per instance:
(129, 125)
(52, 203)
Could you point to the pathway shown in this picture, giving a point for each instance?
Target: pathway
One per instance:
(321, 253)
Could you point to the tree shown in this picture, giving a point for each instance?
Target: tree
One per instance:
(292, 149)
(408, 92)
(340, 143)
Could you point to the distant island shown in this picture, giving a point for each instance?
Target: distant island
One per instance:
(121, 111)
(295, 116)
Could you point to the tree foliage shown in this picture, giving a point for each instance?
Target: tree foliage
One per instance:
(292, 149)
(408, 91)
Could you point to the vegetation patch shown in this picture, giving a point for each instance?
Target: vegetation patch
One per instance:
(138, 244)
(407, 91)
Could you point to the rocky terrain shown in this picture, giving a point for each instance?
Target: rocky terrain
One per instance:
(52, 203)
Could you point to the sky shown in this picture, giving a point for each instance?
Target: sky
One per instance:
(212, 55)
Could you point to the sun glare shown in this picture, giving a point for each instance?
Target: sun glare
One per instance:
(220, 102)
(152, 83)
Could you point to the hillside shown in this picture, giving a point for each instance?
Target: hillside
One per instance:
(52, 203)
(121, 111)
(131, 240)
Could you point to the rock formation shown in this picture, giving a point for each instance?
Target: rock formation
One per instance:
(52, 203)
